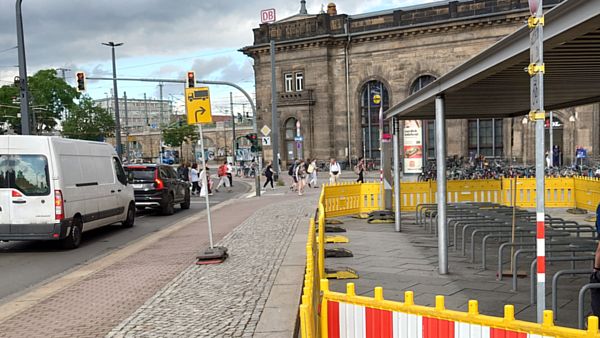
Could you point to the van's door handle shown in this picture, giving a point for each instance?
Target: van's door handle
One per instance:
(112, 191)
(19, 202)
(119, 190)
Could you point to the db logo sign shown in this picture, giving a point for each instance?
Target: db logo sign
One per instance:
(267, 15)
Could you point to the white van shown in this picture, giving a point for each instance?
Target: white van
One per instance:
(53, 188)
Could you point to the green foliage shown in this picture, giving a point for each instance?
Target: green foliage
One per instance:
(50, 98)
(175, 136)
(87, 121)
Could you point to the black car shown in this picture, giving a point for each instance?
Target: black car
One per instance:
(158, 186)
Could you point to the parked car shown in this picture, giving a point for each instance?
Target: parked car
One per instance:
(158, 186)
(53, 188)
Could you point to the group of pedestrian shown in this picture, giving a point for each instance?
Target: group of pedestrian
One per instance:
(196, 176)
(303, 173)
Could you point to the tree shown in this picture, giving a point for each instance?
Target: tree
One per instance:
(87, 121)
(177, 135)
(50, 98)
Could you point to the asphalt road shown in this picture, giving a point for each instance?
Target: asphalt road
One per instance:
(24, 265)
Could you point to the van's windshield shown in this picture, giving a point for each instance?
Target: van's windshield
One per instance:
(25, 173)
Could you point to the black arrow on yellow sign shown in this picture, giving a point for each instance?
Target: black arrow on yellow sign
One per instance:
(201, 111)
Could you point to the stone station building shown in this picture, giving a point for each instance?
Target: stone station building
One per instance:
(330, 66)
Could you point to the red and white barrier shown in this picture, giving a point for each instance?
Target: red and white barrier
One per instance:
(354, 321)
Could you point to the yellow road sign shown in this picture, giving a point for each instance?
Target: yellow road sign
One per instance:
(197, 105)
(376, 98)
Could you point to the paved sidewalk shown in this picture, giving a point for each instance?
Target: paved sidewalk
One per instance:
(227, 300)
(128, 297)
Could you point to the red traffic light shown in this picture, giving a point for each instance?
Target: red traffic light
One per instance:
(80, 76)
(191, 79)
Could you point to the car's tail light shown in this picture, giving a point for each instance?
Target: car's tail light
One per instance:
(59, 205)
(16, 194)
(158, 183)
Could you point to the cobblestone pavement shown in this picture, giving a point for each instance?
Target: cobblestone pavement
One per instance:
(224, 300)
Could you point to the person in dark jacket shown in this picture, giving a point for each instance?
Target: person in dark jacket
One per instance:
(269, 175)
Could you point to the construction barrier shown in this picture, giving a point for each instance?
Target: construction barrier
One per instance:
(560, 192)
(324, 313)
(570, 192)
(349, 315)
(351, 198)
(587, 193)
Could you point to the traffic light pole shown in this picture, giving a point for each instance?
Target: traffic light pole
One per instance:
(254, 123)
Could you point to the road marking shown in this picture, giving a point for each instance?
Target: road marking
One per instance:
(33, 297)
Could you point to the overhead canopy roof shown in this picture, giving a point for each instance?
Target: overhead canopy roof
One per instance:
(494, 83)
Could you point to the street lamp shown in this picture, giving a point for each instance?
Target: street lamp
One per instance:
(117, 117)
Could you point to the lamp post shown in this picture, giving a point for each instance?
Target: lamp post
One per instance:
(112, 45)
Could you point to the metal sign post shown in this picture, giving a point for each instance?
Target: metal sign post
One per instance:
(198, 109)
(536, 72)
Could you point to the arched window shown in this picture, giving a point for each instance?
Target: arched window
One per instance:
(292, 150)
(370, 117)
(420, 83)
(429, 126)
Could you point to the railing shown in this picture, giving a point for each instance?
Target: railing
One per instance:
(324, 313)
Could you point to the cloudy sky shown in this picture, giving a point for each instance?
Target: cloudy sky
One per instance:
(162, 39)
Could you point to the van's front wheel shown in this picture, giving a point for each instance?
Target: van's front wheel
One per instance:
(73, 240)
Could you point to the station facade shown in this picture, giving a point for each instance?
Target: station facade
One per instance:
(330, 66)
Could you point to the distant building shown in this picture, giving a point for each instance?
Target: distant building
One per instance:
(142, 115)
(329, 67)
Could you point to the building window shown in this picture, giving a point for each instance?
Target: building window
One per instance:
(420, 83)
(289, 82)
(299, 82)
(370, 118)
(430, 141)
(428, 126)
(292, 150)
(485, 137)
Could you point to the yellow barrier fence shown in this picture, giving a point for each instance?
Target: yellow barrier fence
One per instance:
(351, 198)
(348, 315)
(568, 192)
(587, 193)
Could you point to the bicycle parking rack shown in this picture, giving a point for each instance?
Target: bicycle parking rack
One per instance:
(555, 278)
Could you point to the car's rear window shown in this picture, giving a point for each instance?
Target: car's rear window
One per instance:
(140, 174)
(25, 173)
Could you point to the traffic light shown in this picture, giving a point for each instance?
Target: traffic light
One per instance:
(191, 79)
(254, 145)
(80, 81)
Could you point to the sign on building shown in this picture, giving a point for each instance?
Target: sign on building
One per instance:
(267, 15)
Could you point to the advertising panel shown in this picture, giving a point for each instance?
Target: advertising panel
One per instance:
(413, 147)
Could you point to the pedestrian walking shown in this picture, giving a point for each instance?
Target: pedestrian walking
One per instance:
(269, 175)
(334, 171)
(183, 171)
(205, 173)
(292, 173)
(359, 169)
(312, 172)
(194, 177)
(223, 179)
(230, 174)
(301, 176)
